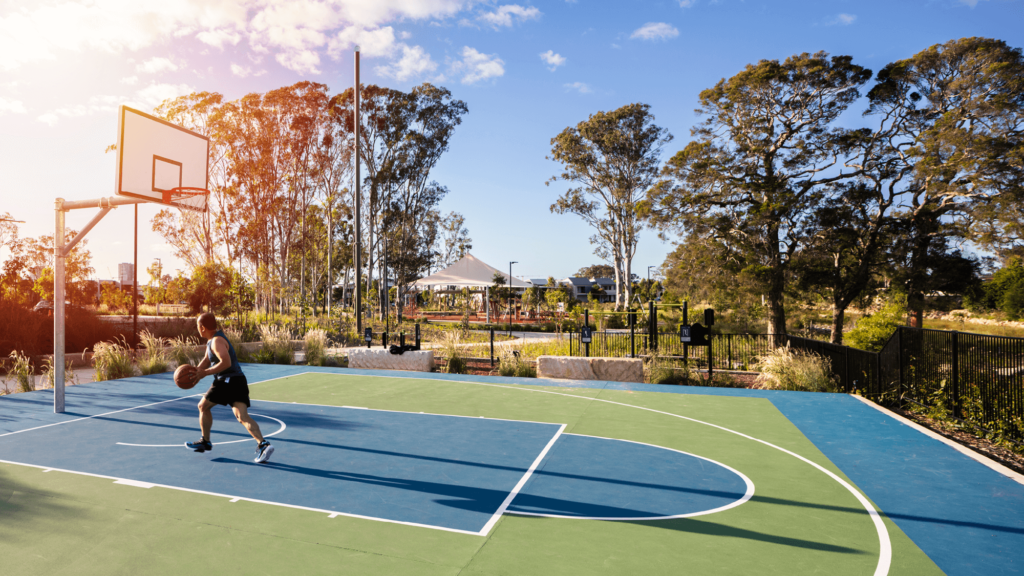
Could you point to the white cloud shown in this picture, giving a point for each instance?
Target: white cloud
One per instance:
(240, 71)
(971, 3)
(48, 118)
(130, 80)
(12, 106)
(476, 66)
(156, 65)
(372, 43)
(106, 103)
(655, 31)
(41, 31)
(218, 38)
(842, 19)
(579, 86)
(301, 61)
(414, 63)
(154, 94)
(553, 60)
(687, 3)
(508, 14)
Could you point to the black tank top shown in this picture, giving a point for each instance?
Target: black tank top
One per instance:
(235, 369)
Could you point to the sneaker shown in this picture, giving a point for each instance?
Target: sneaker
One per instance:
(263, 452)
(200, 446)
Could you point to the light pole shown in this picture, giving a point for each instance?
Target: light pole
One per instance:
(649, 286)
(510, 298)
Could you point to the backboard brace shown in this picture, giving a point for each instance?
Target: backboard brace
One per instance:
(157, 162)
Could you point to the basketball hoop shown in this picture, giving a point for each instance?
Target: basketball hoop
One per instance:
(186, 197)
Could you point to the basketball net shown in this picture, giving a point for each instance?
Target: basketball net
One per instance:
(187, 197)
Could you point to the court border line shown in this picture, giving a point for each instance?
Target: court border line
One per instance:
(746, 496)
(885, 545)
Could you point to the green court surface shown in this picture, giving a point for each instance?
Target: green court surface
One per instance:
(800, 520)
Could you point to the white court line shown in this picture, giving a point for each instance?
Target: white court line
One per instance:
(746, 496)
(137, 407)
(405, 412)
(330, 513)
(885, 545)
(522, 481)
(180, 444)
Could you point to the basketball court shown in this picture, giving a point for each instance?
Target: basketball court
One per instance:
(409, 473)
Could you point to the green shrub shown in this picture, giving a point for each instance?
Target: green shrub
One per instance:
(872, 332)
(20, 369)
(113, 360)
(315, 345)
(153, 358)
(789, 369)
(658, 370)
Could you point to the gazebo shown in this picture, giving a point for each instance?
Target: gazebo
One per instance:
(469, 272)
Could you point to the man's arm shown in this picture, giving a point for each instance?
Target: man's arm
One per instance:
(220, 348)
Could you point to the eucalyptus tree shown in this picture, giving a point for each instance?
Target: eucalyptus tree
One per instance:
(453, 241)
(759, 163)
(955, 112)
(612, 158)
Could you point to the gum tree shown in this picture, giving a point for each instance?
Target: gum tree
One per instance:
(758, 163)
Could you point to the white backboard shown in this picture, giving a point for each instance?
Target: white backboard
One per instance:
(154, 156)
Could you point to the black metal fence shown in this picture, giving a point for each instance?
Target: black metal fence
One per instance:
(975, 377)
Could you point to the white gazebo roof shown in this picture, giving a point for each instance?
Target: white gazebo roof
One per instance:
(468, 272)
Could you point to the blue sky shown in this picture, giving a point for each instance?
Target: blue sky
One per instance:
(526, 72)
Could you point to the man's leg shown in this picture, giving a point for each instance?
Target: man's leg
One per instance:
(206, 417)
(242, 413)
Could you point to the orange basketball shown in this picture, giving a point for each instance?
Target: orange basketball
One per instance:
(185, 376)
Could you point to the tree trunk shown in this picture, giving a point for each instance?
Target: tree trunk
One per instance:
(838, 318)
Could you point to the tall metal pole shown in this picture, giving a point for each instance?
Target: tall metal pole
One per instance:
(510, 298)
(58, 307)
(359, 242)
(135, 283)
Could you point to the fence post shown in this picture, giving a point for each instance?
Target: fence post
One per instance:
(846, 368)
(711, 355)
(878, 372)
(632, 333)
(686, 321)
(652, 326)
(728, 340)
(899, 360)
(586, 322)
(417, 336)
(955, 390)
(492, 347)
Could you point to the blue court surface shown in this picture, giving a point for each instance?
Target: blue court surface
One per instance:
(460, 473)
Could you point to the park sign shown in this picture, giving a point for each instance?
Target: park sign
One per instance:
(693, 334)
(585, 335)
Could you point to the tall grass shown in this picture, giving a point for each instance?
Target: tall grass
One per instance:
(20, 368)
(512, 363)
(451, 349)
(113, 360)
(277, 345)
(789, 369)
(50, 373)
(153, 358)
(315, 347)
(183, 350)
(660, 370)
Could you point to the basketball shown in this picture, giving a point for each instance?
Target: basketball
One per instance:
(185, 376)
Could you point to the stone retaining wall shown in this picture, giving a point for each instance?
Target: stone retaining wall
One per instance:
(576, 368)
(415, 361)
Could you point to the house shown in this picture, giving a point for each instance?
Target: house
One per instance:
(582, 287)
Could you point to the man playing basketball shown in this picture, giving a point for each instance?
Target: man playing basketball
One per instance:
(229, 388)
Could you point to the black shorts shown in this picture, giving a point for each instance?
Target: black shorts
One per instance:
(227, 391)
